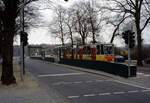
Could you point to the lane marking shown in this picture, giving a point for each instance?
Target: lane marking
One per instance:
(135, 91)
(79, 82)
(109, 80)
(103, 94)
(54, 75)
(71, 97)
(145, 90)
(134, 85)
(147, 75)
(89, 95)
(143, 74)
(67, 83)
(107, 94)
(119, 93)
(99, 80)
(88, 81)
(139, 73)
(104, 80)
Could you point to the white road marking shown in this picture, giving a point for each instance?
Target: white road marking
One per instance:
(103, 94)
(89, 95)
(77, 82)
(107, 94)
(89, 81)
(109, 80)
(118, 92)
(67, 83)
(71, 97)
(147, 75)
(134, 85)
(66, 74)
(99, 80)
(139, 73)
(145, 90)
(135, 91)
(143, 74)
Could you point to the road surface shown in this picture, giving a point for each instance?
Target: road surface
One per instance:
(82, 87)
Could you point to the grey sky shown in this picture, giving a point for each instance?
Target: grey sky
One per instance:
(41, 34)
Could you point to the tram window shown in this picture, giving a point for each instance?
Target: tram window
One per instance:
(98, 49)
(84, 50)
(102, 49)
(88, 50)
(108, 50)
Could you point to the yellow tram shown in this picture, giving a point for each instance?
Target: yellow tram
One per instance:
(98, 52)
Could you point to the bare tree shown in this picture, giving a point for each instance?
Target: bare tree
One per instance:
(81, 26)
(70, 24)
(57, 25)
(117, 23)
(139, 11)
(94, 19)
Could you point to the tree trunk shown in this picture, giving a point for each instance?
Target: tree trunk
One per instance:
(139, 42)
(139, 59)
(7, 77)
(94, 41)
(8, 19)
(83, 40)
(139, 39)
(72, 54)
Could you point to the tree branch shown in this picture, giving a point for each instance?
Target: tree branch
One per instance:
(147, 21)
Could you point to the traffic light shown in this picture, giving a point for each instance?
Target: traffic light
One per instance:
(125, 36)
(132, 39)
(129, 36)
(24, 38)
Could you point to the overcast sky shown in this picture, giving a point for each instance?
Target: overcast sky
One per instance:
(42, 36)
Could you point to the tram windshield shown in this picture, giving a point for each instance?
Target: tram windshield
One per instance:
(108, 49)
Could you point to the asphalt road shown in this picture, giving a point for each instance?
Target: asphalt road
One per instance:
(82, 87)
(144, 69)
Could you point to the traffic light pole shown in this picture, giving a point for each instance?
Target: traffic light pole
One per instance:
(129, 59)
(23, 31)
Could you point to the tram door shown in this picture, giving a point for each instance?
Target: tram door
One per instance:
(80, 52)
(93, 52)
(109, 52)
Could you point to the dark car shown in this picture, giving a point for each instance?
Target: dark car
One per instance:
(147, 61)
(119, 58)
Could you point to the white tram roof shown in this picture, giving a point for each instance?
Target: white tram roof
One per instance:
(66, 46)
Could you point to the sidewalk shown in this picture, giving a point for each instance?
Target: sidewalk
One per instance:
(28, 91)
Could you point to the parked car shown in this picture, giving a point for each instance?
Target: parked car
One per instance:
(119, 58)
(147, 61)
